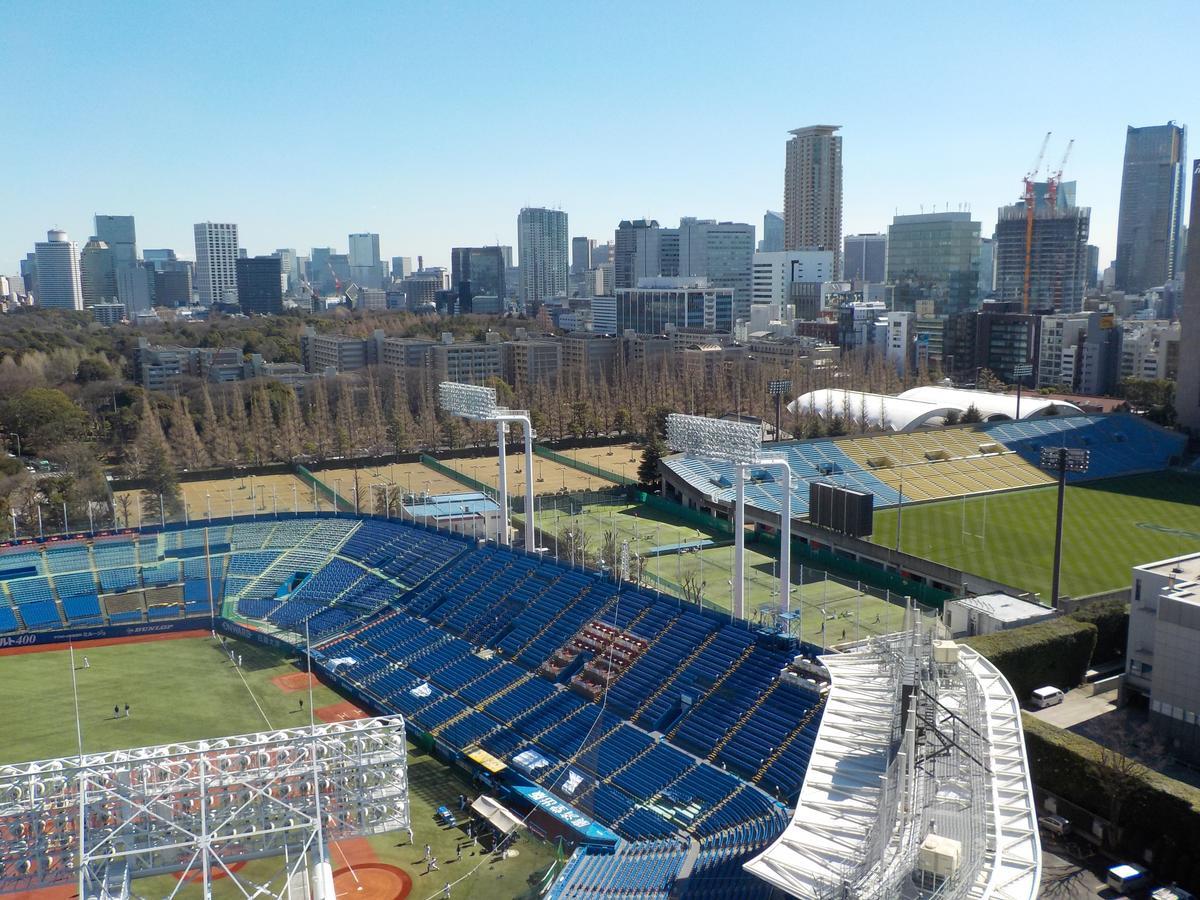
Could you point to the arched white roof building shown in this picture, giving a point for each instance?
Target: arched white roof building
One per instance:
(925, 407)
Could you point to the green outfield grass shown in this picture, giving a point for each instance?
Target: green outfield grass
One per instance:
(842, 607)
(1108, 527)
(186, 689)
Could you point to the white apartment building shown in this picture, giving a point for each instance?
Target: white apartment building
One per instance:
(216, 262)
(58, 281)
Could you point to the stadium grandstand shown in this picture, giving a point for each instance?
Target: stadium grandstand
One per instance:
(668, 742)
(934, 464)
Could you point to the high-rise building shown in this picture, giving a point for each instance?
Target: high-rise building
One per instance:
(29, 273)
(778, 276)
(173, 287)
(679, 302)
(160, 260)
(475, 272)
(1058, 257)
(121, 236)
(289, 263)
(98, 278)
(135, 289)
(365, 267)
(812, 192)
(635, 252)
(772, 239)
(1152, 210)
(259, 285)
(987, 267)
(934, 256)
(722, 252)
(58, 279)
(542, 248)
(581, 254)
(216, 262)
(865, 258)
(402, 267)
(1093, 266)
(1187, 390)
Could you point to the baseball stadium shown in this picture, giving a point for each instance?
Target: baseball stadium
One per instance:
(538, 725)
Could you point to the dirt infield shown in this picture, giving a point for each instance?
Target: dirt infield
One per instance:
(296, 681)
(107, 642)
(372, 881)
(340, 712)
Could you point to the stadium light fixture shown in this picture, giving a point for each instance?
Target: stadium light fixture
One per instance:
(1021, 371)
(778, 389)
(1062, 460)
(739, 443)
(477, 403)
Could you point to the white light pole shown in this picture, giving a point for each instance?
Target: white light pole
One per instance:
(479, 404)
(785, 533)
(735, 442)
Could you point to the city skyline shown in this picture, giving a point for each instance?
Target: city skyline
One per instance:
(294, 183)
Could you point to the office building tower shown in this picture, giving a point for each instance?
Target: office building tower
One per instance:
(289, 263)
(581, 254)
(1187, 391)
(812, 192)
(635, 252)
(865, 258)
(135, 289)
(29, 273)
(542, 248)
(1152, 207)
(259, 285)
(402, 267)
(365, 267)
(721, 252)
(682, 303)
(1058, 253)
(987, 267)
(602, 254)
(339, 266)
(934, 256)
(58, 280)
(97, 275)
(161, 260)
(778, 277)
(107, 312)
(1093, 266)
(121, 236)
(772, 239)
(173, 287)
(475, 272)
(1078, 353)
(216, 262)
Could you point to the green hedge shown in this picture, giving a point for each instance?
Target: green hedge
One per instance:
(1049, 653)
(1111, 618)
(1161, 815)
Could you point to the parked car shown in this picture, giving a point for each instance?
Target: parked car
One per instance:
(1055, 825)
(1046, 696)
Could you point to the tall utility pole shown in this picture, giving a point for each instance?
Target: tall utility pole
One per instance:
(1061, 460)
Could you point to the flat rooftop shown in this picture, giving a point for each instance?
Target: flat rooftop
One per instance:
(1005, 608)
(1185, 568)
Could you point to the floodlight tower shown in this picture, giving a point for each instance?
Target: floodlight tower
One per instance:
(734, 442)
(1062, 460)
(478, 404)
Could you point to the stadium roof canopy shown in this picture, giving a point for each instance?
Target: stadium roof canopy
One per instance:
(927, 406)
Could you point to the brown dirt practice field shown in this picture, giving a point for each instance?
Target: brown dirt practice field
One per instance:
(340, 712)
(411, 478)
(549, 477)
(270, 493)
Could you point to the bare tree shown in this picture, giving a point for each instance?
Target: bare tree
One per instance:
(693, 589)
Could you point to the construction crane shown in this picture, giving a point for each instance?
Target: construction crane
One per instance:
(1030, 202)
(1056, 177)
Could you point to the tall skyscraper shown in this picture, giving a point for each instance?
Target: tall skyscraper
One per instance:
(542, 251)
(1152, 210)
(260, 285)
(934, 256)
(722, 252)
(1187, 390)
(581, 254)
(1058, 260)
(121, 236)
(812, 192)
(866, 258)
(477, 272)
(402, 266)
(365, 267)
(772, 239)
(98, 277)
(216, 262)
(635, 252)
(58, 279)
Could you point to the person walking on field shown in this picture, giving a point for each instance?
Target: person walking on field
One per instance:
(127, 710)
(116, 712)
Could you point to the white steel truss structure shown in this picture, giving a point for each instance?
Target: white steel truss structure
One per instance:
(919, 752)
(197, 808)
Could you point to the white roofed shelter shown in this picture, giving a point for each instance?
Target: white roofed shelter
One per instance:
(925, 407)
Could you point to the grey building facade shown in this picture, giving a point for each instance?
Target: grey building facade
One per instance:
(1152, 207)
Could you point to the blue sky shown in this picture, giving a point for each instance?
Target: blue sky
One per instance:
(433, 123)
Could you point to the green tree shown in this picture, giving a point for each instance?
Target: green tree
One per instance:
(655, 449)
(43, 417)
(971, 415)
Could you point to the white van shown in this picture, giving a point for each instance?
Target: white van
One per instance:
(1127, 877)
(1046, 696)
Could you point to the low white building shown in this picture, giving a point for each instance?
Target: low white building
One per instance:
(989, 613)
(470, 513)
